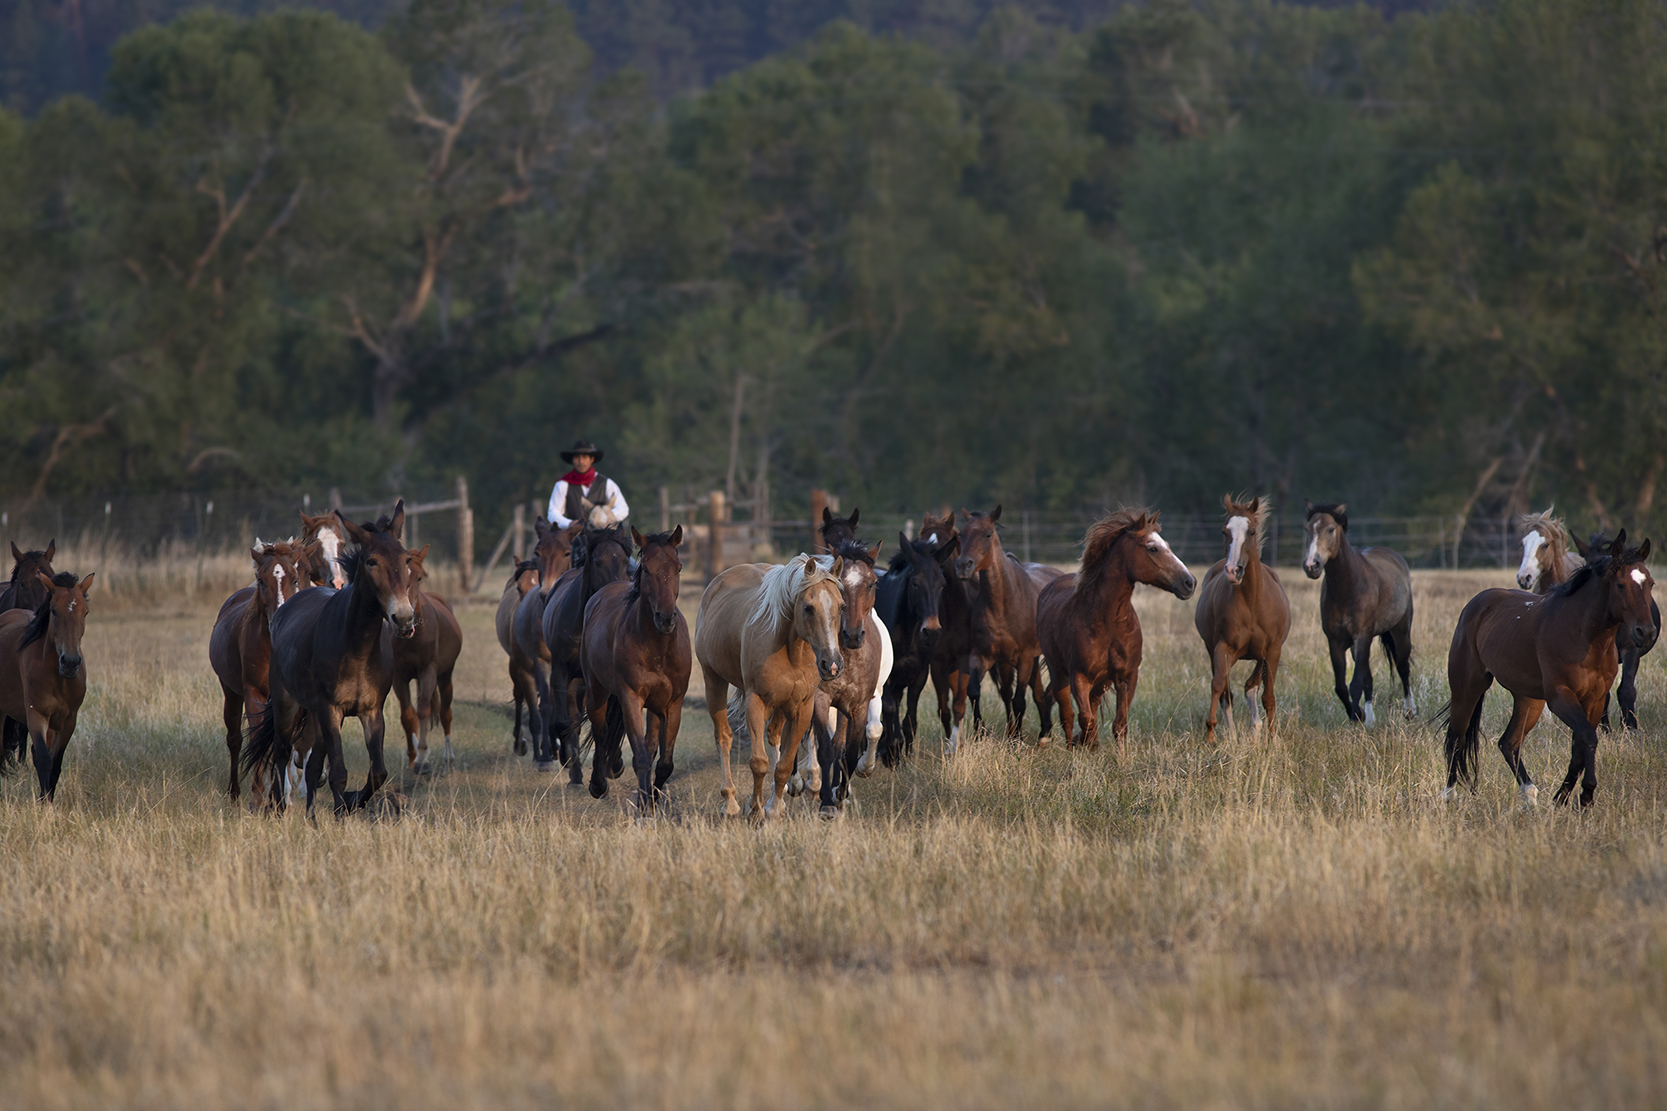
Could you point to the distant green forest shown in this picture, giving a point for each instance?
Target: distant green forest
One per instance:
(1059, 257)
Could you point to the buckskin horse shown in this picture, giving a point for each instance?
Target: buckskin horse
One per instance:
(427, 657)
(1003, 618)
(523, 687)
(240, 647)
(1367, 593)
(772, 632)
(333, 658)
(637, 660)
(41, 688)
(1242, 614)
(24, 591)
(1087, 625)
(556, 552)
(606, 559)
(1555, 650)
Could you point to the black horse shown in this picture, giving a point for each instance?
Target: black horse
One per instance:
(1631, 652)
(909, 601)
(606, 558)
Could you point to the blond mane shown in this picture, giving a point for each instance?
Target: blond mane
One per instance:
(1256, 517)
(1564, 563)
(1101, 535)
(783, 586)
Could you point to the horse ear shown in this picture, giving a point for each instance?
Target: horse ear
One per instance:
(1582, 547)
(855, 513)
(1618, 545)
(902, 541)
(397, 527)
(874, 552)
(17, 555)
(541, 526)
(1307, 508)
(46, 580)
(827, 516)
(1256, 503)
(636, 537)
(254, 553)
(354, 532)
(51, 547)
(965, 514)
(677, 537)
(86, 584)
(838, 568)
(995, 514)
(1644, 550)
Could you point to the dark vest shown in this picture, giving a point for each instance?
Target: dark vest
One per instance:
(573, 511)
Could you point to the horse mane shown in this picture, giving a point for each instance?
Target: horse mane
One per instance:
(663, 539)
(783, 586)
(1600, 564)
(17, 568)
(1101, 535)
(1257, 516)
(520, 569)
(1556, 534)
(853, 549)
(43, 612)
(1336, 511)
(901, 559)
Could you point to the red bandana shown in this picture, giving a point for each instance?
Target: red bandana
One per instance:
(573, 478)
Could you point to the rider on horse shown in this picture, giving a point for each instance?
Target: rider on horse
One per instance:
(584, 493)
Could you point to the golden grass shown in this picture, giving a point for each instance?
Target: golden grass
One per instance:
(1294, 921)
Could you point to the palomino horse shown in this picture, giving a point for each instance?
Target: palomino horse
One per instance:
(1367, 593)
(949, 658)
(1242, 614)
(428, 656)
(240, 647)
(43, 680)
(773, 632)
(325, 565)
(333, 658)
(606, 559)
(1088, 627)
(1003, 619)
(24, 591)
(522, 581)
(1557, 650)
(909, 601)
(556, 553)
(1546, 559)
(636, 660)
(1631, 652)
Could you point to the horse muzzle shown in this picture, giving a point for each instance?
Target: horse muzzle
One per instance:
(828, 668)
(405, 623)
(964, 569)
(851, 639)
(1311, 569)
(1525, 581)
(665, 623)
(68, 666)
(1235, 574)
(1643, 637)
(1186, 584)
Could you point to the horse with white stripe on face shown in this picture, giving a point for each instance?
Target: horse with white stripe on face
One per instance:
(1367, 594)
(325, 564)
(1546, 559)
(1242, 614)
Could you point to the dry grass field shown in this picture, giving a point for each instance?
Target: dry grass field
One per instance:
(1271, 922)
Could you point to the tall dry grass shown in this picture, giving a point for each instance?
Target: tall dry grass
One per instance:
(1270, 922)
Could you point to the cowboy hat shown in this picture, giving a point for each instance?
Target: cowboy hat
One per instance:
(582, 447)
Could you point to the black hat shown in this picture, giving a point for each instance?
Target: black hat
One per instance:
(582, 447)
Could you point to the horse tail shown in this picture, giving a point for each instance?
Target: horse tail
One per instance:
(14, 739)
(1462, 750)
(264, 748)
(737, 712)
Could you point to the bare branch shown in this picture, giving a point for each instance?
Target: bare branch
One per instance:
(227, 218)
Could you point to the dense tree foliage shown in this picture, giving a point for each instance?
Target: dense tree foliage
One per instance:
(1410, 260)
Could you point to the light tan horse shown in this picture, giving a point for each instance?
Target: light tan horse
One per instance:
(1546, 559)
(1242, 614)
(774, 633)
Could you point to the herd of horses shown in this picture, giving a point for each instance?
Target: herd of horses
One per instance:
(820, 662)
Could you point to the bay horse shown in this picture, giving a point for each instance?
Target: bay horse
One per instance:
(325, 565)
(909, 600)
(1555, 650)
(41, 688)
(1002, 618)
(838, 530)
(1087, 625)
(240, 646)
(1242, 614)
(606, 559)
(556, 552)
(1367, 593)
(772, 632)
(523, 687)
(333, 658)
(1631, 652)
(636, 658)
(428, 658)
(24, 591)
(949, 658)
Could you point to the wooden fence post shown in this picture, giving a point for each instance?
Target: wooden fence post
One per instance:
(465, 538)
(335, 499)
(818, 503)
(665, 509)
(715, 539)
(519, 524)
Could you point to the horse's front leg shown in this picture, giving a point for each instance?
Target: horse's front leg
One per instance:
(40, 750)
(60, 745)
(1583, 752)
(1628, 695)
(1044, 709)
(231, 712)
(796, 724)
(1125, 685)
(1270, 668)
(1088, 712)
(1221, 663)
(375, 726)
(758, 726)
(1340, 674)
(329, 747)
(427, 682)
(1525, 714)
(642, 757)
(670, 723)
(539, 715)
(1361, 688)
(409, 724)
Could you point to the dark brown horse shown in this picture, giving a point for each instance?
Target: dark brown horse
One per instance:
(838, 530)
(555, 553)
(240, 647)
(1242, 614)
(1003, 619)
(1554, 650)
(333, 658)
(1631, 652)
(909, 600)
(636, 658)
(1089, 631)
(949, 657)
(427, 657)
(43, 678)
(24, 591)
(602, 556)
(1367, 593)
(523, 686)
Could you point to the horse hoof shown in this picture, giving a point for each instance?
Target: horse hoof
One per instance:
(546, 765)
(1530, 796)
(795, 787)
(1586, 798)
(1448, 794)
(828, 813)
(520, 748)
(598, 788)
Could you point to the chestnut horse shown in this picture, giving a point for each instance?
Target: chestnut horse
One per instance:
(1631, 652)
(555, 553)
(636, 659)
(333, 658)
(1087, 623)
(1242, 614)
(24, 591)
(240, 647)
(44, 678)
(325, 564)
(428, 656)
(603, 556)
(524, 688)
(1367, 593)
(909, 600)
(772, 632)
(1003, 619)
(1554, 650)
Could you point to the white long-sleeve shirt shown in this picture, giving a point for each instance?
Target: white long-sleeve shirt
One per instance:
(613, 502)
